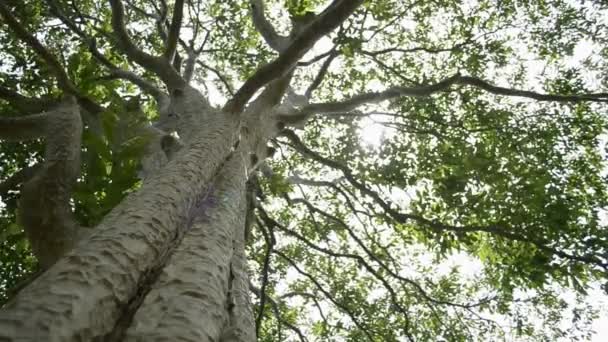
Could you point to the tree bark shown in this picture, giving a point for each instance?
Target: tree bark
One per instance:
(193, 296)
(166, 264)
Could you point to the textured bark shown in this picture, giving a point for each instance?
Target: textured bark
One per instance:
(241, 326)
(191, 299)
(186, 113)
(82, 296)
(44, 206)
(22, 128)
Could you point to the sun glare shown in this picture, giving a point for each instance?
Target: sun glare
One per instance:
(371, 133)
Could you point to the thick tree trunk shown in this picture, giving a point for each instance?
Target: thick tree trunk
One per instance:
(192, 300)
(167, 264)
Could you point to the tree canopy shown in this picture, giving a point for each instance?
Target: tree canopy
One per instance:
(440, 173)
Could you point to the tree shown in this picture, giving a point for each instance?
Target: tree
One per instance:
(138, 208)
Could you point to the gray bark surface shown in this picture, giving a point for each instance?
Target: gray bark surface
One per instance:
(192, 298)
(83, 294)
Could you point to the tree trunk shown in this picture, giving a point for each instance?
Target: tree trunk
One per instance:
(167, 264)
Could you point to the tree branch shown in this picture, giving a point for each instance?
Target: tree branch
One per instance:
(321, 74)
(44, 206)
(219, 76)
(422, 91)
(326, 22)
(357, 258)
(176, 24)
(115, 72)
(158, 65)
(53, 64)
(23, 127)
(328, 295)
(479, 83)
(265, 28)
(25, 104)
(397, 216)
(270, 241)
(277, 313)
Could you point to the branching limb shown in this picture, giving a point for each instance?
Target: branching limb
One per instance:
(356, 101)
(328, 295)
(53, 64)
(24, 104)
(23, 127)
(422, 91)
(176, 24)
(277, 312)
(326, 22)
(374, 257)
(115, 72)
(261, 23)
(44, 206)
(394, 214)
(158, 65)
(357, 258)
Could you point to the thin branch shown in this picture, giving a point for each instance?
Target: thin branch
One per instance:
(158, 65)
(176, 24)
(315, 59)
(53, 64)
(265, 28)
(326, 22)
(327, 295)
(270, 241)
(145, 86)
(375, 258)
(219, 76)
(423, 91)
(321, 74)
(357, 258)
(314, 299)
(277, 312)
(397, 216)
